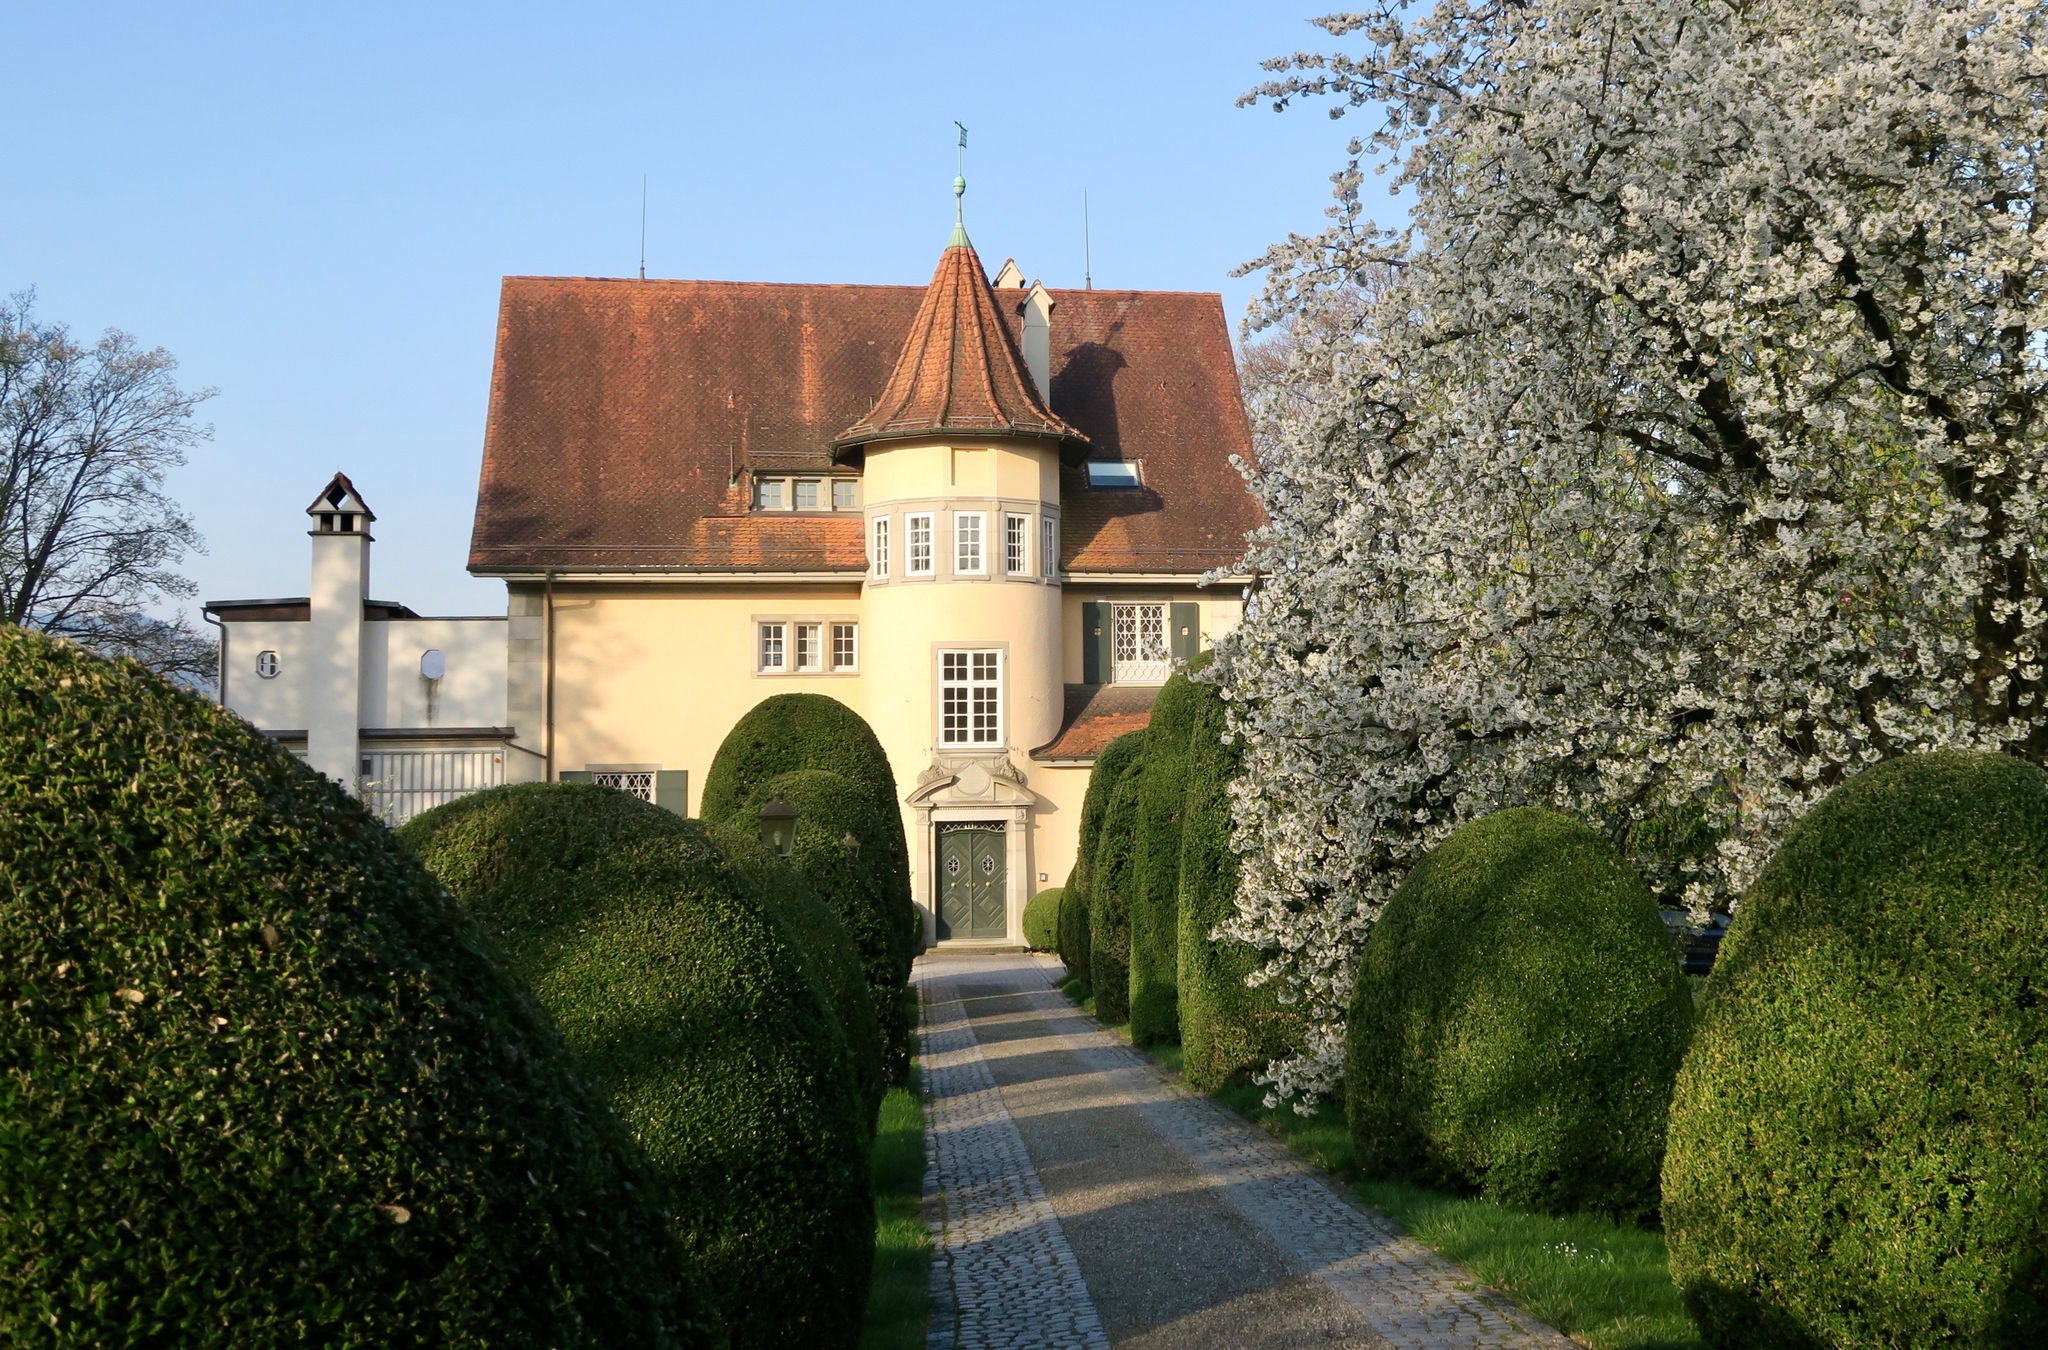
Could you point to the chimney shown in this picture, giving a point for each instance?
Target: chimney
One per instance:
(334, 656)
(1038, 339)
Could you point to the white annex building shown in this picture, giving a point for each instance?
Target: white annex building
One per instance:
(978, 513)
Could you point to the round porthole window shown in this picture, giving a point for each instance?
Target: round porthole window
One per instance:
(266, 665)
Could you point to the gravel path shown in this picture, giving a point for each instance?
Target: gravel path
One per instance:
(1079, 1199)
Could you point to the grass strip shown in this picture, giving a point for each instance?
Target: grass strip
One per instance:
(1605, 1285)
(899, 1296)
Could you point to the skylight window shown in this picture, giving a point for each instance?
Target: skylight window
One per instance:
(1112, 474)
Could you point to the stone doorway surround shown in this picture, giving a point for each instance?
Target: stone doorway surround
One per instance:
(971, 786)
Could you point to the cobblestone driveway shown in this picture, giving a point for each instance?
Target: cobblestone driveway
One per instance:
(1078, 1199)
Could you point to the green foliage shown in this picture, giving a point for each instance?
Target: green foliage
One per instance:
(691, 1004)
(830, 949)
(1042, 919)
(1073, 934)
(842, 847)
(1858, 1152)
(261, 1082)
(1155, 865)
(1228, 1030)
(1517, 1021)
(1109, 876)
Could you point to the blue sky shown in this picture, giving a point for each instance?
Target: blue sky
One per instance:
(312, 206)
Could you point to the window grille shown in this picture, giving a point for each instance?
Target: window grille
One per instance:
(881, 558)
(971, 698)
(846, 494)
(1048, 545)
(633, 782)
(1016, 534)
(967, 542)
(918, 529)
(808, 656)
(1138, 644)
(806, 494)
(845, 649)
(771, 646)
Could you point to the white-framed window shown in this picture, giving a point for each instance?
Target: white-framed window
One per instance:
(845, 646)
(771, 494)
(1048, 546)
(846, 494)
(804, 645)
(810, 655)
(879, 551)
(1112, 473)
(807, 494)
(967, 542)
(772, 650)
(266, 664)
(1138, 648)
(1016, 545)
(917, 535)
(971, 698)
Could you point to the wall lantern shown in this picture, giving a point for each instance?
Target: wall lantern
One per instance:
(778, 826)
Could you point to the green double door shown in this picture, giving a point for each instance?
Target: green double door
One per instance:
(973, 880)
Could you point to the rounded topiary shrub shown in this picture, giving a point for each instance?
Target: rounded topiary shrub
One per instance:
(690, 1003)
(1518, 1018)
(788, 732)
(1858, 1149)
(261, 1082)
(1228, 1029)
(1109, 878)
(1155, 865)
(1073, 928)
(841, 837)
(828, 944)
(1042, 920)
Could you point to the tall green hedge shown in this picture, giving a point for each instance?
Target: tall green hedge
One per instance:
(842, 836)
(1073, 929)
(1518, 1019)
(1155, 865)
(261, 1083)
(1109, 881)
(1042, 920)
(1109, 769)
(692, 1006)
(1859, 1145)
(829, 945)
(1228, 1030)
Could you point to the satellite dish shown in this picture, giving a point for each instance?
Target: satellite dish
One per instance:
(433, 664)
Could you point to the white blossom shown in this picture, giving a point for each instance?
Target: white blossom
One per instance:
(1681, 455)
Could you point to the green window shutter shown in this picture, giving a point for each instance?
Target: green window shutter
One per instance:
(573, 776)
(672, 790)
(1094, 643)
(1184, 624)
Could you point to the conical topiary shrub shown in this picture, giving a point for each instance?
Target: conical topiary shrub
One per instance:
(830, 947)
(1109, 880)
(1155, 865)
(838, 826)
(1518, 1018)
(1228, 1029)
(261, 1083)
(690, 1003)
(1859, 1150)
(1110, 766)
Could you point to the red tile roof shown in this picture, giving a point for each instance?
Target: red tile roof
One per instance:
(626, 417)
(959, 370)
(1097, 714)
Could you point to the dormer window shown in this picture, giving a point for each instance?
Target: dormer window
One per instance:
(806, 494)
(1112, 473)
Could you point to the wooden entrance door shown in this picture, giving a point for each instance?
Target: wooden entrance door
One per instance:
(973, 880)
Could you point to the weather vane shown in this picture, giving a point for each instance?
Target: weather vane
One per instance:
(960, 185)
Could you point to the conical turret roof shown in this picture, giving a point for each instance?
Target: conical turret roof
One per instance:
(960, 370)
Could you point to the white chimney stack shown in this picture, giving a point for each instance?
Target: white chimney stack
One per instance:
(1038, 339)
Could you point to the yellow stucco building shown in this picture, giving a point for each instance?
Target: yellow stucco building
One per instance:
(976, 512)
